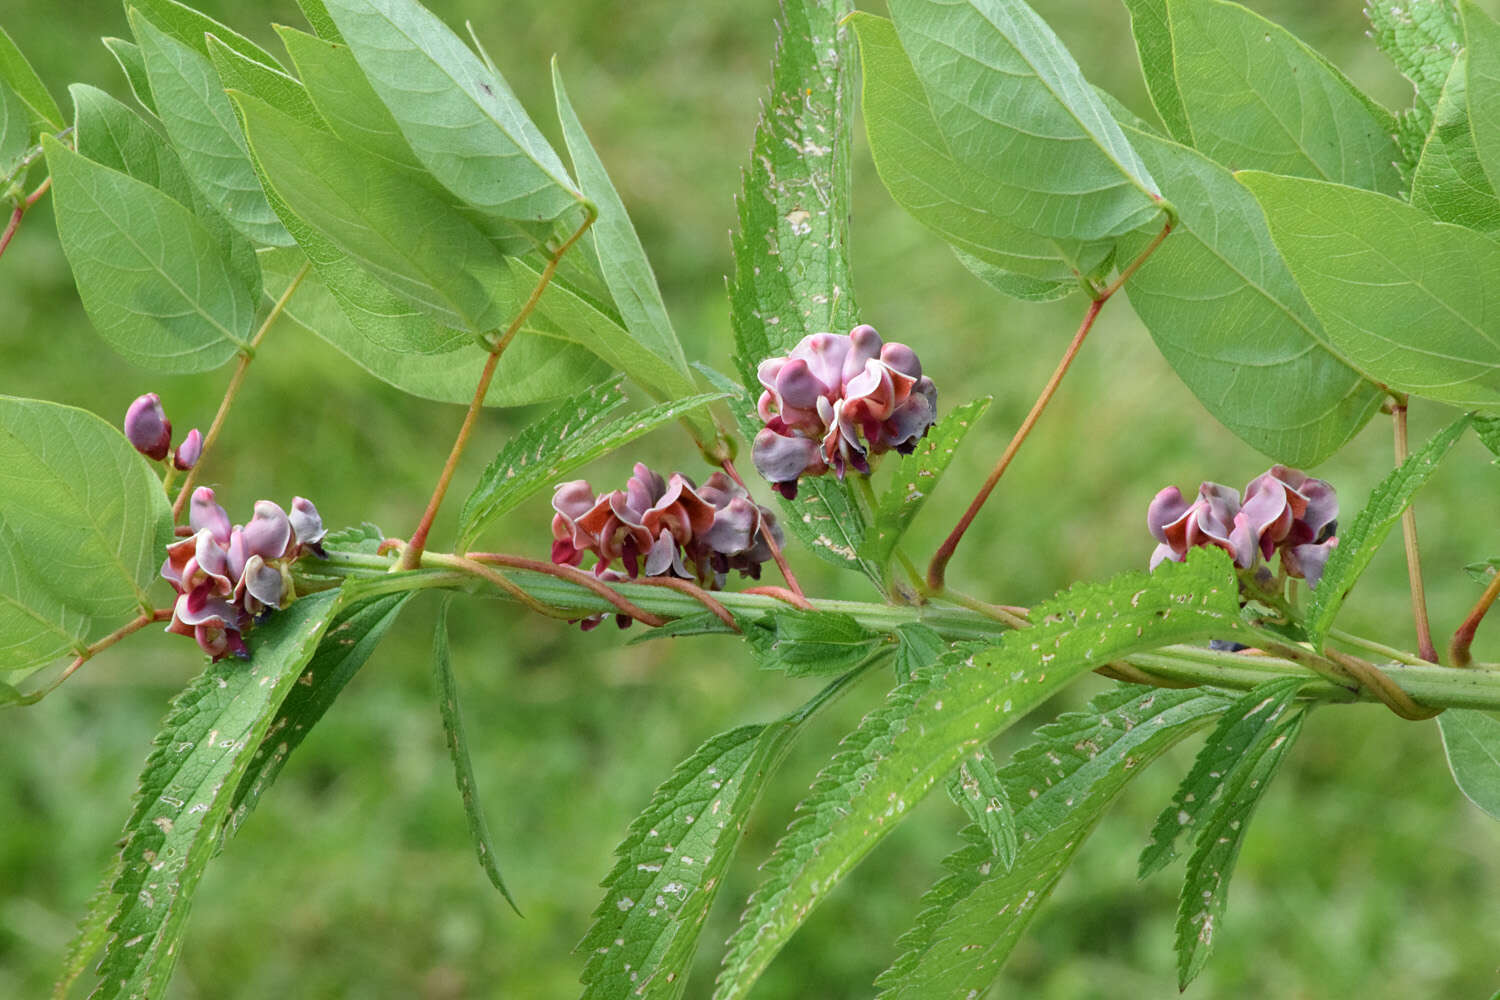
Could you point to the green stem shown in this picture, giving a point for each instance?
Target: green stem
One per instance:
(1425, 648)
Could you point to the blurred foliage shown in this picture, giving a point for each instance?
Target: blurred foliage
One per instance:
(1364, 871)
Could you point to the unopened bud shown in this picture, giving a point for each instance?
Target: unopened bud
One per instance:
(188, 451)
(147, 427)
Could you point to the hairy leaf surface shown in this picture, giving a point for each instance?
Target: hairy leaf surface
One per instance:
(1420, 38)
(928, 724)
(812, 643)
(978, 790)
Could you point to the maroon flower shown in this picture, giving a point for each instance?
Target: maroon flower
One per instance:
(835, 400)
(147, 427)
(1212, 519)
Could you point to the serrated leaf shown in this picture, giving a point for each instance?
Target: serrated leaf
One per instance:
(152, 278)
(928, 724)
(1450, 183)
(1487, 429)
(351, 636)
(1359, 542)
(812, 643)
(918, 647)
(1471, 742)
(1205, 891)
(534, 368)
(128, 55)
(91, 934)
(109, 133)
(83, 526)
(978, 790)
(1224, 311)
(202, 126)
(571, 436)
(673, 859)
(365, 207)
(185, 790)
(1251, 95)
(1420, 38)
(461, 119)
(17, 73)
(1482, 44)
(1015, 110)
(919, 170)
(1062, 783)
(1404, 298)
(915, 478)
(1245, 725)
(458, 749)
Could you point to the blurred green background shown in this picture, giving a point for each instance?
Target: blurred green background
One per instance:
(1366, 873)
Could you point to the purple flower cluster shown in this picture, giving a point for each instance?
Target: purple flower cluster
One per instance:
(228, 576)
(1284, 510)
(663, 527)
(149, 430)
(836, 400)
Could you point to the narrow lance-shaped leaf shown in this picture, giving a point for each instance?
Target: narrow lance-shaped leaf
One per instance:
(673, 859)
(16, 71)
(185, 791)
(1246, 724)
(152, 278)
(201, 124)
(128, 55)
(812, 643)
(462, 120)
(1450, 183)
(1014, 108)
(1471, 741)
(15, 133)
(1205, 890)
(918, 646)
(1062, 783)
(191, 27)
(1224, 311)
(1406, 299)
(978, 790)
(927, 725)
(915, 479)
(1152, 30)
(1420, 39)
(1482, 45)
(533, 369)
(83, 527)
(571, 436)
(458, 750)
(351, 636)
(1359, 542)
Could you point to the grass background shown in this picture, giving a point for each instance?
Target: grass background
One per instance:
(1366, 873)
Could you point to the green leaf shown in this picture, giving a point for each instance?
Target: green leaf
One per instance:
(322, 24)
(928, 724)
(573, 435)
(1406, 299)
(458, 750)
(673, 859)
(1487, 429)
(1075, 766)
(1014, 110)
(191, 27)
(918, 647)
(109, 133)
(15, 133)
(92, 932)
(915, 479)
(534, 368)
(1246, 725)
(979, 792)
(351, 636)
(1253, 96)
(83, 534)
(1482, 44)
(201, 124)
(702, 623)
(812, 643)
(1471, 741)
(1450, 183)
(1205, 891)
(1224, 311)
(1421, 39)
(17, 73)
(919, 170)
(239, 72)
(365, 207)
(1152, 30)
(462, 120)
(1359, 542)
(205, 746)
(128, 55)
(152, 278)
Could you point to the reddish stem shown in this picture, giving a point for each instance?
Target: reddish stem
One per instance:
(776, 553)
(1463, 638)
(694, 591)
(131, 627)
(782, 594)
(1425, 648)
(937, 569)
(572, 575)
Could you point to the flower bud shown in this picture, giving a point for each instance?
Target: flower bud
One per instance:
(147, 427)
(188, 451)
